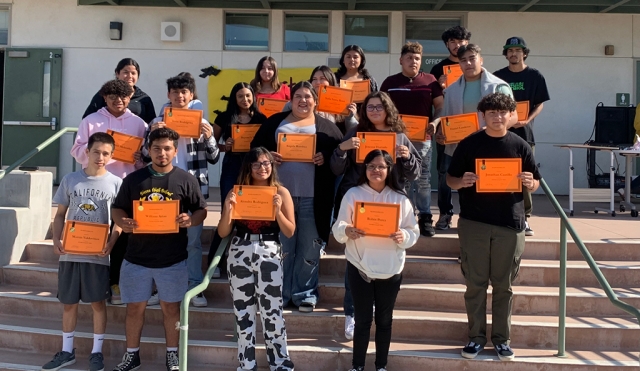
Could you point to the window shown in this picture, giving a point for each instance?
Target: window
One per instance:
(306, 32)
(246, 31)
(428, 32)
(4, 27)
(370, 32)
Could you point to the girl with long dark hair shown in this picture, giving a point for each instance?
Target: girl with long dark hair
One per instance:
(352, 62)
(266, 83)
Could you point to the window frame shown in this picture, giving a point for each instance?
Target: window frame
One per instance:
(346, 14)
(7, 8)
(244, 48)
(309, 13)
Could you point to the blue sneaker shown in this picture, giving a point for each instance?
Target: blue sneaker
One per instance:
(96, 362)
(471, 350)
(60, 360)
(505, 353)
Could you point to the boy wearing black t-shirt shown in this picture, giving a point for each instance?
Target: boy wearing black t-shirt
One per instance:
(159, 258)
(528, 85)
(491, 225)
(453, 39)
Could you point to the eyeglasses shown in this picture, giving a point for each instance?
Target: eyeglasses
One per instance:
(371, 108)
(372, 167)
(258, 165)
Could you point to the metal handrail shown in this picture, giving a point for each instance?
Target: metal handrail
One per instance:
(565, 226)
(37, 150)
(184, 307)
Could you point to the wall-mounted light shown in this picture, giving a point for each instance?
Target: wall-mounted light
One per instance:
(115, 30)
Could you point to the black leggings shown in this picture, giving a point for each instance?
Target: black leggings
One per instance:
(383, 293)
(116, 257)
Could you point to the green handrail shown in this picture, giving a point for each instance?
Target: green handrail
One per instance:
(565, 226)
(184, 307)
(37, 150)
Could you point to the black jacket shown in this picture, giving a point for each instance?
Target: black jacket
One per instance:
(140, 105)
(328, 136)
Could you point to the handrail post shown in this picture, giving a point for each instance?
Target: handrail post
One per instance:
(562, 302)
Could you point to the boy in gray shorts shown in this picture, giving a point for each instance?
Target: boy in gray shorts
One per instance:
(159, 258)
(85, 196)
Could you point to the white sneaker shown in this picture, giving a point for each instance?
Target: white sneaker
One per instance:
(349, 326)
(216, 274)
(154, 299)
(199, 300)
(527, 230)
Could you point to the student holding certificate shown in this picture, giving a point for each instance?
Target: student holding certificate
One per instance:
(266, 83)
(311, 184)
(463, 97)
(85, 196)
(375, 263)
(242, 109)
(194, 156)
(256, 250)
(114, 116)
(159, 258)
(352, 64)
(491, 225)
(378, 114)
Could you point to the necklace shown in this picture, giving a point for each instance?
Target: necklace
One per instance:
(411, 78)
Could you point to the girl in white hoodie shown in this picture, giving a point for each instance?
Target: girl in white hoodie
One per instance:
(115, 116)
(375, 263)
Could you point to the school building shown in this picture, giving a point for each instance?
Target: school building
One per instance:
(58, 53)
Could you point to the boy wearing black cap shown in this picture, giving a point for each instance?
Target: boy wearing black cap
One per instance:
(528, 85)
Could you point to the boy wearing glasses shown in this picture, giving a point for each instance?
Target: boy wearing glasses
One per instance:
(491, 225)
(417, 93)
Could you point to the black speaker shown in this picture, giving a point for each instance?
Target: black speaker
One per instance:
(614, 126)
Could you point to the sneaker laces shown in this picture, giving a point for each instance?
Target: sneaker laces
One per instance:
(172, 359)
(504, 347)
(59, 355)
(127, 358)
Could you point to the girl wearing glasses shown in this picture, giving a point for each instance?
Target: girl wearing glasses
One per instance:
(254, 265)
(374, 264)
(377, 114)
(311, 184)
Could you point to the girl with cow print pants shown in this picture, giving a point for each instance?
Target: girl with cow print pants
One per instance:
(254, 265)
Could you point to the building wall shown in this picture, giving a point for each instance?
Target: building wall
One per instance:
(567, 48)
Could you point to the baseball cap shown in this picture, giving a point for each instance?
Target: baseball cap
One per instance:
(515, 42)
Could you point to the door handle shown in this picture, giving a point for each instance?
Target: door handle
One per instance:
(53, 123)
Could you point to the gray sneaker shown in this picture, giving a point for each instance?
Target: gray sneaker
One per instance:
(60, 360)
(96, 362)
(444, 222)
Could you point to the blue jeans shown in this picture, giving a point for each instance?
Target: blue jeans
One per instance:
(301, 256)
(419, 190)
(194, 259)
(445, 204)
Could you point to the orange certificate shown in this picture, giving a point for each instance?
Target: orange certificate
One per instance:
(377, 218)
(453, 73)
(84, 238)
(242, 135)
(523, 110)
(360, 89)
(126, 146)
(156, 217)
(332, 99)
(185, 122)
(498, 175)
(416, 127)
(371, 141)
(456, 128)
(269, 106)
(254, 203)
(297, 147)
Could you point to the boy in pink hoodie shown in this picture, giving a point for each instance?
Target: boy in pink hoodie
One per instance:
(115, 116)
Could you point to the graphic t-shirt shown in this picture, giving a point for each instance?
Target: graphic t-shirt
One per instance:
(505, 209)
(413, 96)
(438, 69)
(89, 200)
(159, 250)
(527, 85)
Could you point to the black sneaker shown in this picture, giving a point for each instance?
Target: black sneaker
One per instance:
(505, 353)
(96, 362)
(426, 225)
(173, 364)
(357, 369)
(471, 350)
(130, 362)
(60, 360)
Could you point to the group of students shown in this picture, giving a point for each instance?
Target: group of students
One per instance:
(273, 264)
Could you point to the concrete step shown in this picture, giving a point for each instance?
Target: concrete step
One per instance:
(216, 350)
(532, 272)
(326, 322)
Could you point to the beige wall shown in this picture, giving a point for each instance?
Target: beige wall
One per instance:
(567, 48)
